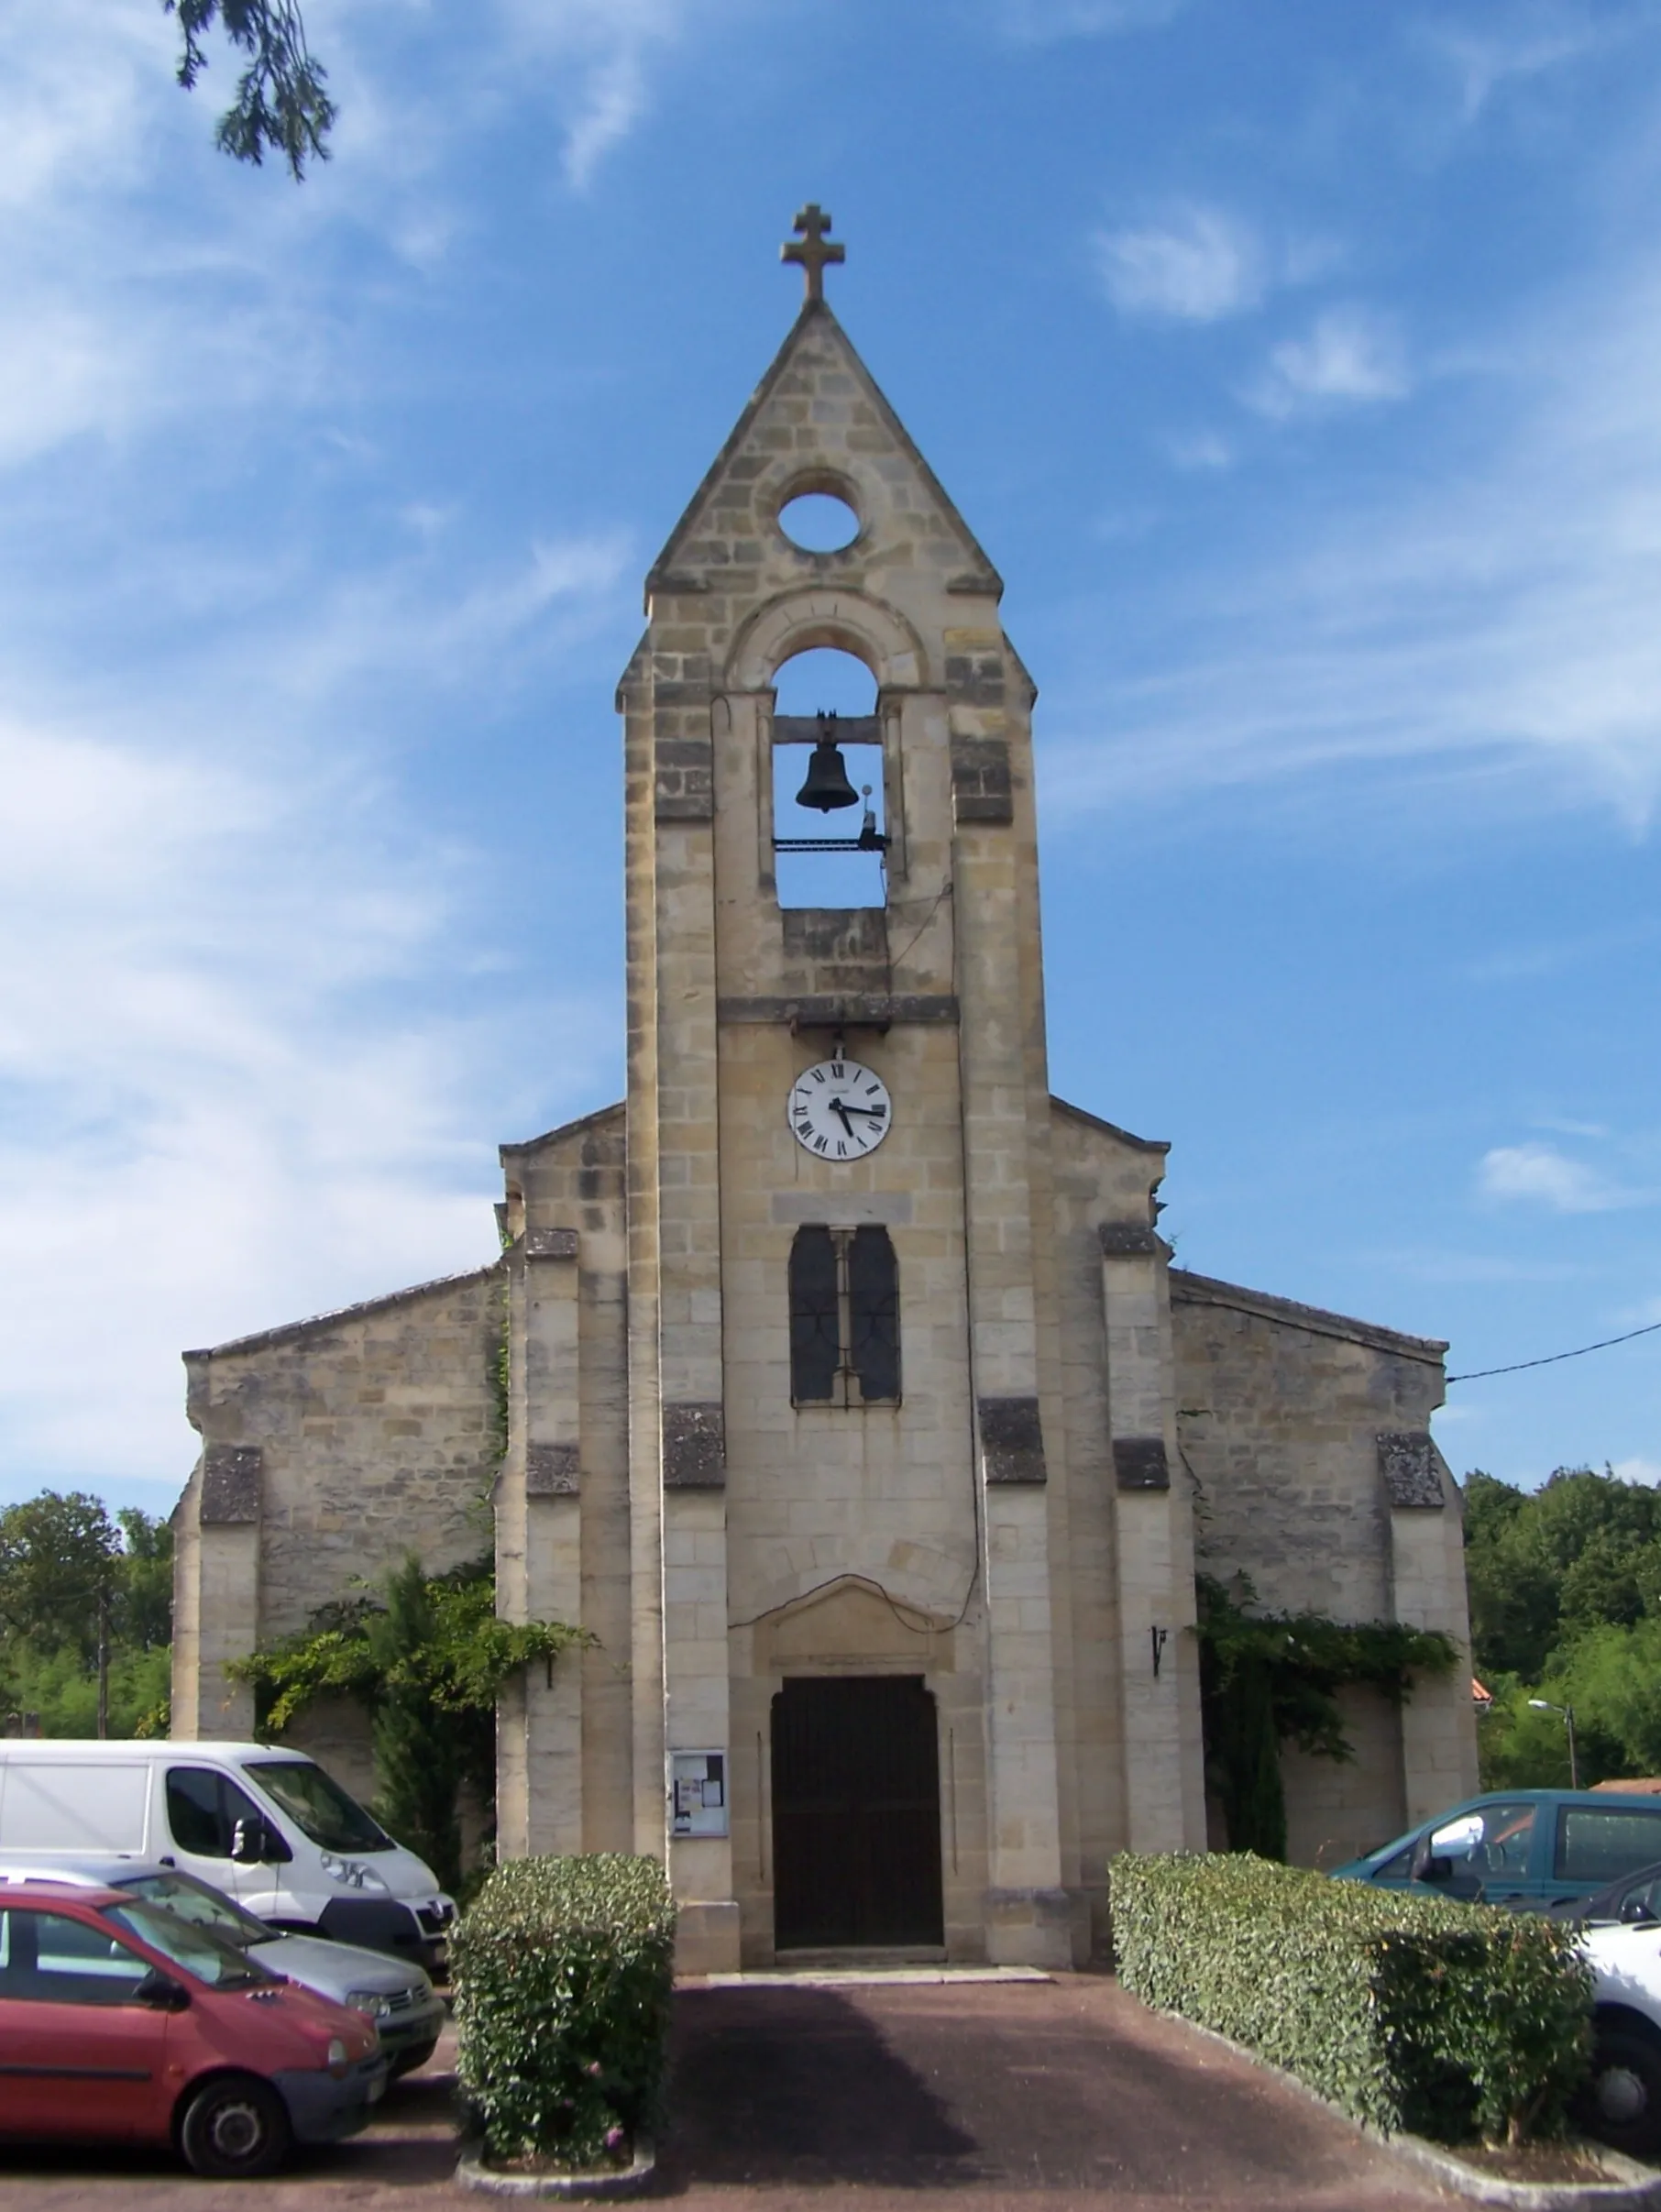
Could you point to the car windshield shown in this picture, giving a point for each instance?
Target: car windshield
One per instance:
(318, 1805)
(198, 1949)
(189, 1899)
(1379, 1851)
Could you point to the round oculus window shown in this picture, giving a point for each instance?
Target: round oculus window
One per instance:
(819, 522)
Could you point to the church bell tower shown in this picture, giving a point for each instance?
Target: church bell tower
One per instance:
(845, 1373)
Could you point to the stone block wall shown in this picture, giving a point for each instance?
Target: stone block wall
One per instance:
(332, 1448)
(1294, 1425)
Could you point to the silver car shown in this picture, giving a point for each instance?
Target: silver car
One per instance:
(398, 1997)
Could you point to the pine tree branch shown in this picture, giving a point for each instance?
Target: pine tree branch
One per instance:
(282, 103)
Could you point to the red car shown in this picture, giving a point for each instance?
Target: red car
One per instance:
(120, 2023)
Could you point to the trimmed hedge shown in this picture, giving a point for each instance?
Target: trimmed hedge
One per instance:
(562, 1970)
(1410, 2013)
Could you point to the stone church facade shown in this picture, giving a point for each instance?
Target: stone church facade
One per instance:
(870, 1431)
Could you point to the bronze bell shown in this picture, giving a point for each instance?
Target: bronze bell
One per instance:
(827, 785)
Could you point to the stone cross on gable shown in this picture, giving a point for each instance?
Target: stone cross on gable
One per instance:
(812, 249)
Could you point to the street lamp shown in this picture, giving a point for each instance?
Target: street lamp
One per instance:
(1545, 1705)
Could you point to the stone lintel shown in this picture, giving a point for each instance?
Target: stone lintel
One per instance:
(230, 1485)
(1407, 1461)
(845, 729)
(551, 1244)
(553, 1470)
(1130, 1240)
(841, 1209)
(1139, 1463)
(862, 1010)
(1012, 1441)
(695, 1444)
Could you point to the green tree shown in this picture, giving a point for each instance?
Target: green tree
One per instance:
(426, 1657)
(144, 1586)
(282, 106)
(58, 1555)
(83, 1600)
(1512, 1591)
(1266, 1679)
(1544, 1567)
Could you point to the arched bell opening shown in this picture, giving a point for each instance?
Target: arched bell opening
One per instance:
(829, 802)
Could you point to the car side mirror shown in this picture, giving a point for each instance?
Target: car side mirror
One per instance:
(257, 1843)
(161, 1992)
(1636, 1911)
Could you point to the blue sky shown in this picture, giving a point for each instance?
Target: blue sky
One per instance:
(1297, 366)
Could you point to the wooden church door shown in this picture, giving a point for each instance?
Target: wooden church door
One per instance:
(856, 1814)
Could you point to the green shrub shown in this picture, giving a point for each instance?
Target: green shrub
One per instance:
(1411, 2013)
(563, 1971)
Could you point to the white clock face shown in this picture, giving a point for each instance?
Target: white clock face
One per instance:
(839, 1110)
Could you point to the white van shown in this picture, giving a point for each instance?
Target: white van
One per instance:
(267, 1826)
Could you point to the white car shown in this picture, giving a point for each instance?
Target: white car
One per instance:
(399, 1998)
(267, 1826)
(1620, 2104)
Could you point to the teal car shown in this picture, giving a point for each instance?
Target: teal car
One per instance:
(1528, 1848)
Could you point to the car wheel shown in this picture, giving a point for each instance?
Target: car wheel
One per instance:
(234, 2129)
(416, 2056)
(1620, 2104)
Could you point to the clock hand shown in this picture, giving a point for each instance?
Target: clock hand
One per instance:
(838, 1107)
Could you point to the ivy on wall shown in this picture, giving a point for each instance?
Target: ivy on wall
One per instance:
(1272, 1677)
(502, 1380)
(425, 1656)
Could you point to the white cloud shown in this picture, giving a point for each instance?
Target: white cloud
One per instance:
(1482, 621)
(413, 621)
(232, 1089)
(614, 100)
(1201, 449)
(1637, 1470)
(84, 82)
(221, 1108)
(1197, 266)
(1351, 357)
(597, 57)
(1539, 38)
(1541, 1175)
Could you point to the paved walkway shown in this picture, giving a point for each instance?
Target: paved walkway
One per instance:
(1025, 2098)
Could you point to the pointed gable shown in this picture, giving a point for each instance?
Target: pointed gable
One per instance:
(817, 422)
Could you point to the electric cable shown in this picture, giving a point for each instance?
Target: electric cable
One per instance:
(1480, 1373)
